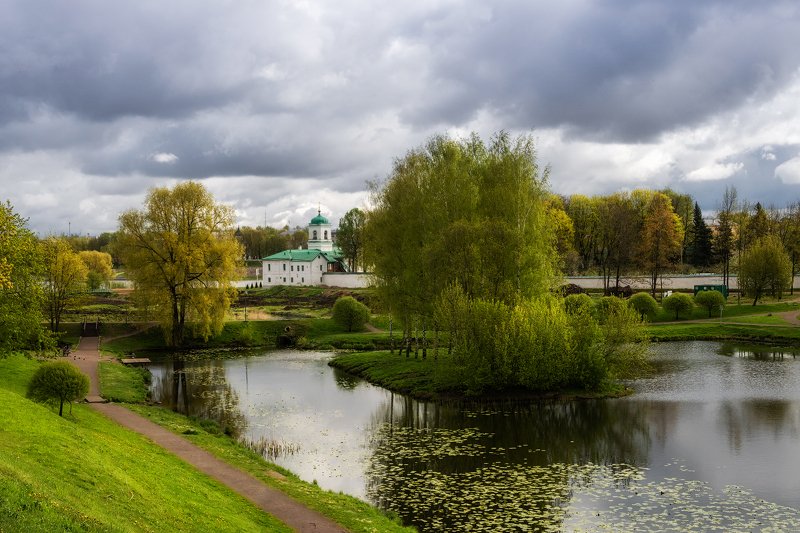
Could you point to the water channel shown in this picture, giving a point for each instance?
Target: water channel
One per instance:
(710, 442)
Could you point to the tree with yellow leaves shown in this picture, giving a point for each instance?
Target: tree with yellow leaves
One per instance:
(64, 279)
(182, 255)
(662, 237)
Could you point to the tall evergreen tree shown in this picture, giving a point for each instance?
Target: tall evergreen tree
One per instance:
(700, 253)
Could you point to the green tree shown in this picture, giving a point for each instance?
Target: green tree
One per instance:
(679, 302)
(58, 381)
(700, 250)
(99, 267)
(724, 239)
(460, 212)
(350, 237)
(711, 300)
(64, 279)
(21, 294)
(790, 222)
(583, 212)
(764, 268)
(350, 314)
(682, 205)
(644, 304)
(181, 253)
(661, 238)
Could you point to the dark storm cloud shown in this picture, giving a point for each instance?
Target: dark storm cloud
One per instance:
(127, 95)
(619, 70)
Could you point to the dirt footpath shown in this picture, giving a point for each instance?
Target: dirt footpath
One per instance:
(292, 513)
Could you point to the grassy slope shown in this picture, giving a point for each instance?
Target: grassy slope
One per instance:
(88, 473)
(351, 512)
(354, 514)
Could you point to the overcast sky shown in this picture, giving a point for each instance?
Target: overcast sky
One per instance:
(278, 106)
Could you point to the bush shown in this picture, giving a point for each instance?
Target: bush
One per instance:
(711, 300)
(678, 302)
(350, 314)
(644, 304)
(58, 381)
(608, 305)
(578, 303)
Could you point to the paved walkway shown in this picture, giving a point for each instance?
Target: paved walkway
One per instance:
(289, 511)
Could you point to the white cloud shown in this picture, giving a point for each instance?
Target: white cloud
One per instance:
(789, 171)
(164, 157)
(715, 172)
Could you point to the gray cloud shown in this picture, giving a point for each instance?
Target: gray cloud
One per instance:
(321, 97)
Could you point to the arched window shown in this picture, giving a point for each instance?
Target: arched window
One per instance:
(326, 235)
(315, 235)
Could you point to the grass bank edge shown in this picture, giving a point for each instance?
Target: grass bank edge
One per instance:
(352, 513)
(437, 379)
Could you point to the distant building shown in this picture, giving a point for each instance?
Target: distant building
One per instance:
(321, 263)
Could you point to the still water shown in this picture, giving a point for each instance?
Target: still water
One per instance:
(711, 442)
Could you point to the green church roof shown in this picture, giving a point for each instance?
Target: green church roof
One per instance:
(305, 256)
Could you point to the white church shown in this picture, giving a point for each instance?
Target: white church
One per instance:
(320, 263)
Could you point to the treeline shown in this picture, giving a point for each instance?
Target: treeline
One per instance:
(651, 232)
(263, 241)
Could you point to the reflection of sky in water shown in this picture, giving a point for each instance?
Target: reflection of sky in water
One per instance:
(705, 423)
(291, 397)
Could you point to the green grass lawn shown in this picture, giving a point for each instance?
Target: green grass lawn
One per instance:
(119, 383)
(713, 330)
(759, 319)
(731, 310)
(86, 473)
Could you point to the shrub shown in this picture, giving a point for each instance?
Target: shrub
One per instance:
(711, 300)
(58, 381)
(608, 305)
(678, 302)
(578, 303)
(644, 304)
(350, 314)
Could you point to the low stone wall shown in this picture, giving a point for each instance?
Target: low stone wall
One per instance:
(346, 280)
(667, 282)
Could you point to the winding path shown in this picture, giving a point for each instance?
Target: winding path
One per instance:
(294, 514)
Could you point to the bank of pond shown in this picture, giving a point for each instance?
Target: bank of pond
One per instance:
(706, 442)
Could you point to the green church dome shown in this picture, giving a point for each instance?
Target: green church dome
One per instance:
(319, 219)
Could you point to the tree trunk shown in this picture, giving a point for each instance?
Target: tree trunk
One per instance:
(391, 339)
(424, 338)
(61, 408)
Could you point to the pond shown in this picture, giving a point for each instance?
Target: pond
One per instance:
(711, 442)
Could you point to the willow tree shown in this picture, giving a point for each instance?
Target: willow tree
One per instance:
(182, 255)
(461, 212)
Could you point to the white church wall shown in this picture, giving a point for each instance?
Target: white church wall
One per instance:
(346, 280)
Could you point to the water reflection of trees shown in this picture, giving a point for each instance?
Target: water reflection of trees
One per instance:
(201, 389)
(748, 419)
(504, 451)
